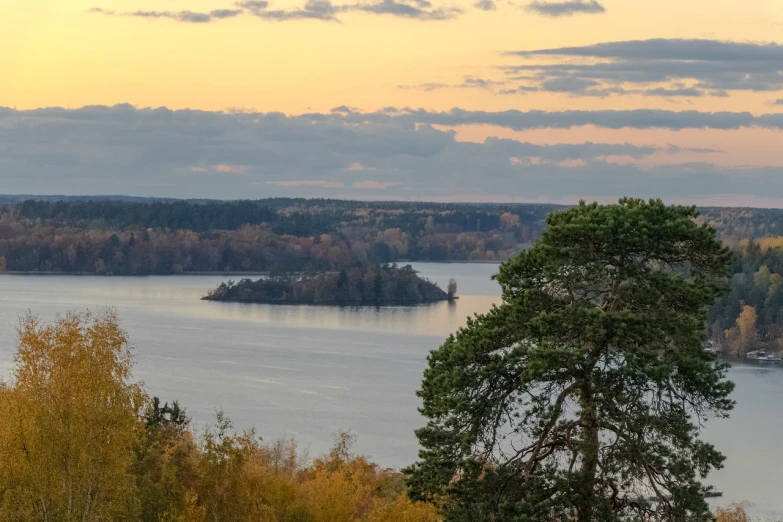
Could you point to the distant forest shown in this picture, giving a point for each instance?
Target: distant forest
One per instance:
(735, 224)
(137, 236)
(751, 314)
(274, 235)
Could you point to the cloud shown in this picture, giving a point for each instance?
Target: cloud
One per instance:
(674, 149)
(519, 89)
(429, 86)
(656, 67)
(671, 49)
(419, 11)
(557, 9)
(675, 92)
(313, 9)
(468, 82)
(358, 167)
(398, 152)
(229, 169)
(225, 13)
(566, 84)
(779, 101)
(253, 5)
(195, 18)
(180, 16)
(609, 119)
(152, 14)
(373, 185)
(485, 5)
(307, 183)
(323, 10)
(479, 83)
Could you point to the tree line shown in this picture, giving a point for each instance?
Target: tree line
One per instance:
(299, 217)
(137, 238)
(736, 224)
(107, 236)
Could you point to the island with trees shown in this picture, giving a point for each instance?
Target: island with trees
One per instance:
(355, 285)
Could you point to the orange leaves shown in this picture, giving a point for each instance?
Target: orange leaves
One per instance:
(746, 323)
(733, 513)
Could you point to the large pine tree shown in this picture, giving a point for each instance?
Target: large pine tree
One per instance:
(581, 396)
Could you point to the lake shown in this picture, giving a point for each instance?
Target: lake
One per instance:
(309, 371)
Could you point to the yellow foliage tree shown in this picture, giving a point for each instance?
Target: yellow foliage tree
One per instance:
(746, 324)
(508, 220)
(762, 277)
(770, 242)
(233, 475)
(403, 510)
(69, 423)
(346, 488)
(732, 513)
(80, 442)
(775, 280)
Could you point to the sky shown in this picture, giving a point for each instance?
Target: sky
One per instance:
(463, 100)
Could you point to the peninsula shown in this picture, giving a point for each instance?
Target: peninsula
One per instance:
(356, 285)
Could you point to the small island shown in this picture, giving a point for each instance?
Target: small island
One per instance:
(357, 285)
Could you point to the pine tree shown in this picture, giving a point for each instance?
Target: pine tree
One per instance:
(580, 396)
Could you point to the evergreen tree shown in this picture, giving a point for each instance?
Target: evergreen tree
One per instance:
(580, 396)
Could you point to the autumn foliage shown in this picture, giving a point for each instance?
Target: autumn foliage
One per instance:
(125, 238)
(80, 440)
(732, 513)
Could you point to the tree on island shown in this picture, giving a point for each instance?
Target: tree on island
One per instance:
(452, 288)
(581, 396)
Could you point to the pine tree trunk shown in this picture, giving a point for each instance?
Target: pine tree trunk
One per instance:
(589, 421)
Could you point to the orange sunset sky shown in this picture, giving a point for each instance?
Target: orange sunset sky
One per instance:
(264, 78)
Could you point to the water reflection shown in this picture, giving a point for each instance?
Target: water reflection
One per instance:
(432, 319)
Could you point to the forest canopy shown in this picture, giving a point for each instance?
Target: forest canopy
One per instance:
(277, 235)
(137, 237)
(750, 316)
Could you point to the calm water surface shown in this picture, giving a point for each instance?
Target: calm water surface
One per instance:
(309, 371)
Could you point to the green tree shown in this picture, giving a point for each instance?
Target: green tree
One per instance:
(452, 288)
(166, 467)
(579, 396)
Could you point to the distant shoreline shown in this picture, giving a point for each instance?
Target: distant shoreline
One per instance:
(232, 273)
(454, 261)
